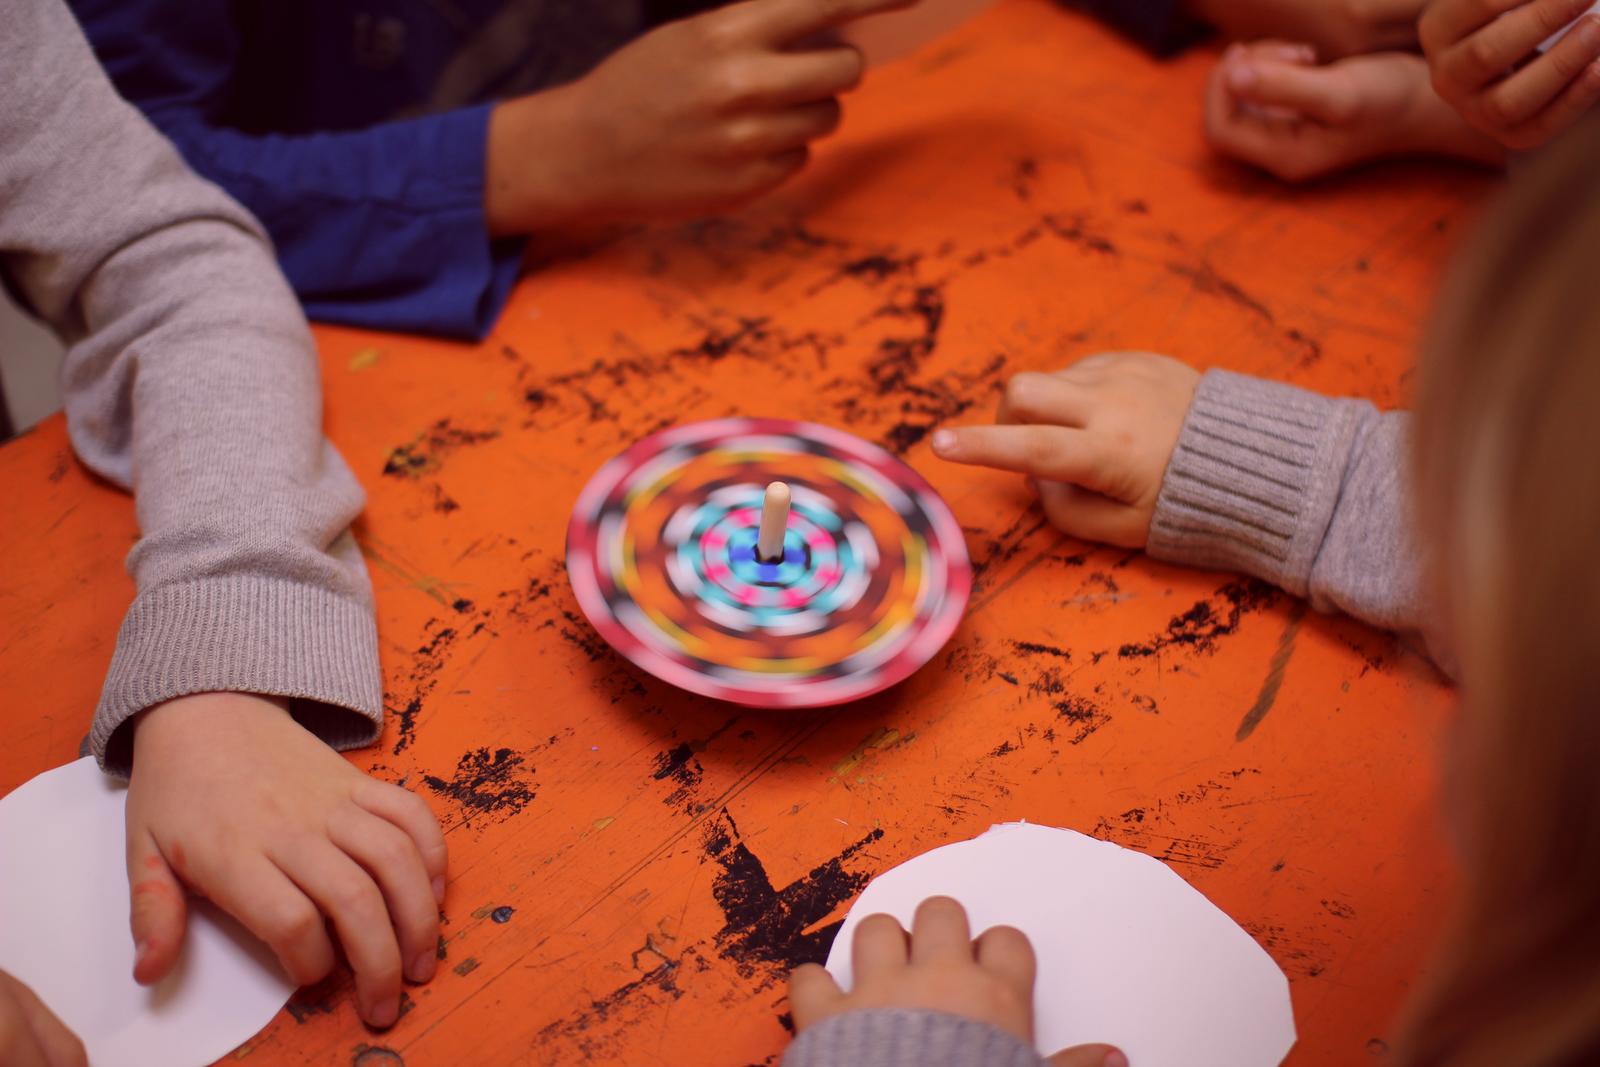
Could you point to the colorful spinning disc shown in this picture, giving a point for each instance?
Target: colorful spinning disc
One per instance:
(873, 580)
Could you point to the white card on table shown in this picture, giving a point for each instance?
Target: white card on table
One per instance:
(1129, 953)
(64, 932)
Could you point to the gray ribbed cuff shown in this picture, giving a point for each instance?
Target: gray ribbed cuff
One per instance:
(1254, 479)
(244, 634)
(896, 1037)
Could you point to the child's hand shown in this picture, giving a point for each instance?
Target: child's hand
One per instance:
(693, 117)
(1337, 28)
(1271, 105)
(30, 1033)
(1485, 61)
(941, 969)
(1094, 438)
(233, 798)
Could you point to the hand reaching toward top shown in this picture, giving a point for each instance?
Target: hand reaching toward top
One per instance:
(696, 116)
(1094, 439)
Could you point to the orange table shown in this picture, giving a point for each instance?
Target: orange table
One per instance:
(632, 869)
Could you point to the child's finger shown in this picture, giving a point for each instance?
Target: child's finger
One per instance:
(1092, 517)
(939, 932)
(18, 1045)
(262, 897)
(411, 813)
(349, 897)
(1055, 452)
(58, 1046)
(1006, 951)
(807, 77)
(1046, 398)
(1307, 91)
(387, 854)
(1574, 102)
(776, 131)
(1089, 1056)
(879, 948)
(1487, 54)
(1452, 21)
(781, 21)
(813, 995)
(157, 908)
(1541, 83)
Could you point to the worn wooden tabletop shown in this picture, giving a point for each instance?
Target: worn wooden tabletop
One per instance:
(632, 868)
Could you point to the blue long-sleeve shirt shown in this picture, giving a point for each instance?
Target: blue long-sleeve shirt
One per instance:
(356, 130)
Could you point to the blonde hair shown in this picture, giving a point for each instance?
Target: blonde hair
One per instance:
(1508, 472)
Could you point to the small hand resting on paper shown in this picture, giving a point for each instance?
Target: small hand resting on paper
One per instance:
(939, 968)
(1094, 440)
(233, 799)
(30, 1034)
(696, 116)
(1485, 59)
(1272, 105)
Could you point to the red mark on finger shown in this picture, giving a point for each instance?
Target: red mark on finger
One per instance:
(158, 886)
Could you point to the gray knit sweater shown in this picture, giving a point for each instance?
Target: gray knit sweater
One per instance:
(1309, 492)
(190, 379)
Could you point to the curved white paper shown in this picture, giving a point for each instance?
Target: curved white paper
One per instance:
(64, 932)
(889, 36)
(1129, 953)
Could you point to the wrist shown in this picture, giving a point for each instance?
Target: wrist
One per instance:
(174, 717)
(534, 175)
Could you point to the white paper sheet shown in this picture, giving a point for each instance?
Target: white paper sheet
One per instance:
(64, 932)
(893, 34)
(1129, 953)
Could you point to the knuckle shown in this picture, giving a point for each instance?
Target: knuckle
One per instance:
(735, 85)
(353, 895)
(294, 923)
(1478, 56)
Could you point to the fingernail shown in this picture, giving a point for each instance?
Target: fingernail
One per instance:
(1114, 1058)
(944, 441)
(438, 889)
(1242, 78)
(140, 951)
(385, 1015)
(423, 966)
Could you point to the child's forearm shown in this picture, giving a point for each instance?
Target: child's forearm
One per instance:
(1308, 492)
(191, 378)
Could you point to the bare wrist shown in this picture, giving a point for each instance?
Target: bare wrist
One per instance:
(533, 177)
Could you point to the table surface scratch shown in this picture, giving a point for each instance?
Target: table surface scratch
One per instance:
(633, 868)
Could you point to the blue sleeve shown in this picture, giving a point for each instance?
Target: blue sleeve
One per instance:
(1162, 27)
(381, 227)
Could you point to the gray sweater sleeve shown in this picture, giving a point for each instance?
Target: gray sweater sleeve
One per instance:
(191, 379)
(896, 1037)
(1308, 492)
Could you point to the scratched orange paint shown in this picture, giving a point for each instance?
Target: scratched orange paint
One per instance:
(631, 866)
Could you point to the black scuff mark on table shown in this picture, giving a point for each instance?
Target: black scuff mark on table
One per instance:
(1200, 628)
(496, 784)
(770, 930)
(1275, 671)
(1205, 279)
(423, 454)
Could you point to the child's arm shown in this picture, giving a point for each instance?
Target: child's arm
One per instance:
(191, 378)
(380, 227)
(413, 224)
(1222, 470)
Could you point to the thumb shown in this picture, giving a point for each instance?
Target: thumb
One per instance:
(156, 908)
(1089, 1056)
